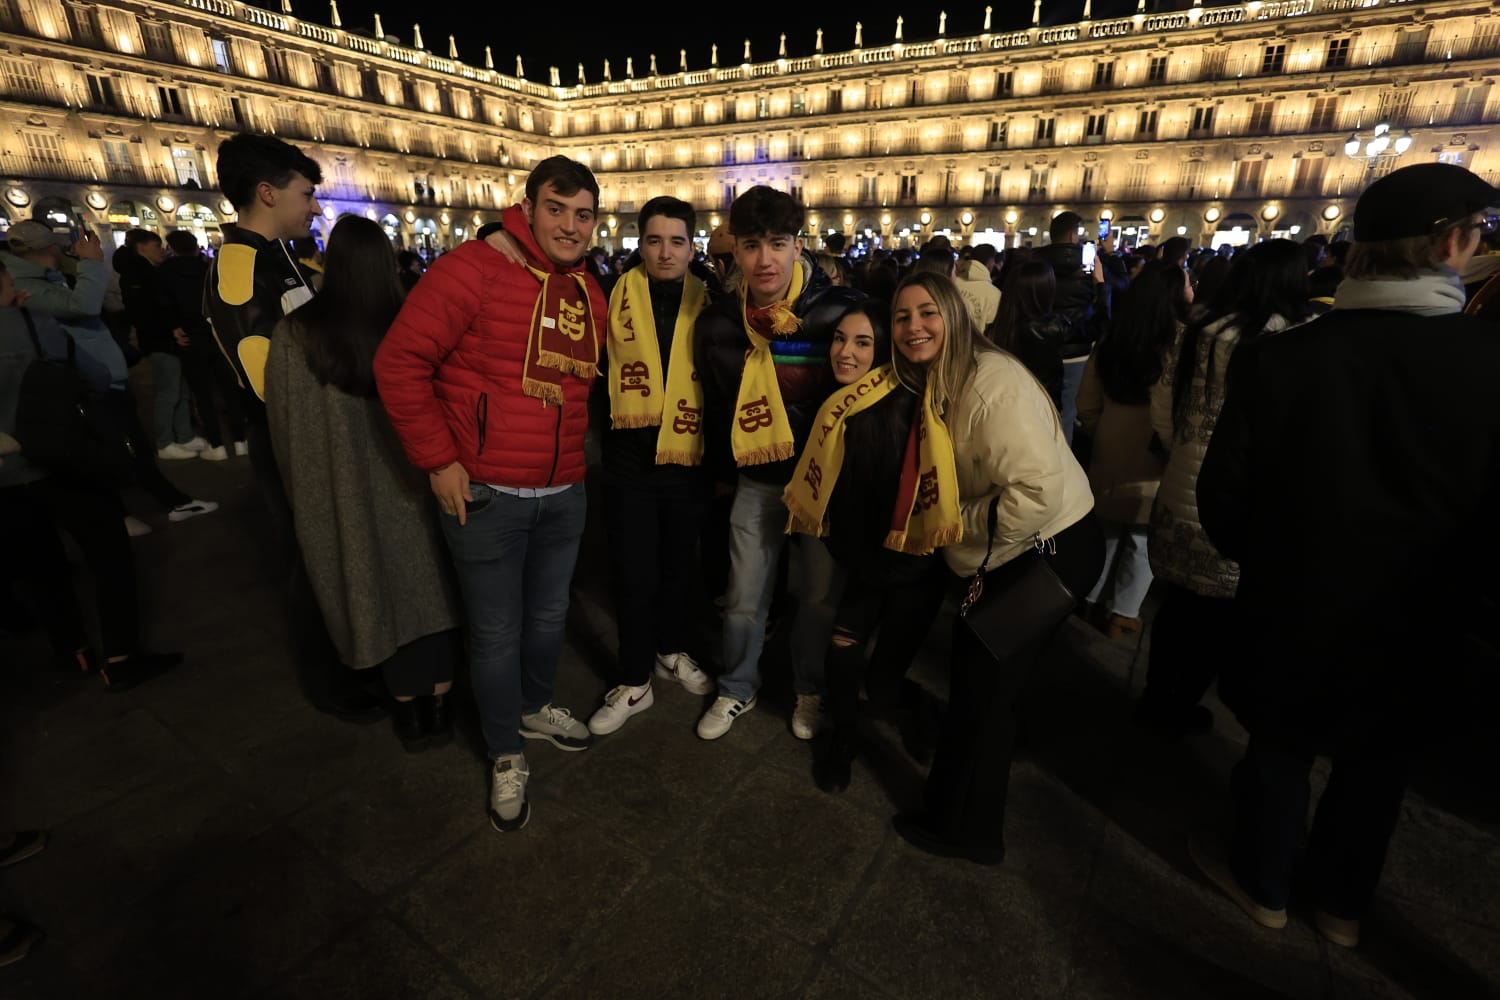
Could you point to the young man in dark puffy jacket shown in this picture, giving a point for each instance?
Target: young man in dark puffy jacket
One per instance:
(1075, 302)
(486, 375)
(207, 372)
(761, 393)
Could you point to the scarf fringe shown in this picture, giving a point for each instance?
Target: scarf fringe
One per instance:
(678, 458)
(629, 421)
(899, 542)
(547, 392)
(802, 520)
(579, 367)
(766, 455)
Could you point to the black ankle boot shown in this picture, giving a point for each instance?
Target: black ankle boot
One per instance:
(831, 768)
(409, 728)
(437, 717)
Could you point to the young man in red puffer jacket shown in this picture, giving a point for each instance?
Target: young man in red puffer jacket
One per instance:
(485, 375)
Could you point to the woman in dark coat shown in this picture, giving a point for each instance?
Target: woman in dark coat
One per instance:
(364, 524)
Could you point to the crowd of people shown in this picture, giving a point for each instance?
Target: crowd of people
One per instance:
(1294, 456)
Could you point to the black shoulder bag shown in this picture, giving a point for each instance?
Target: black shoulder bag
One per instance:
(1024, 611)
(61, 425)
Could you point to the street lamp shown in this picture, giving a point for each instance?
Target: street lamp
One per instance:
(1381, 142)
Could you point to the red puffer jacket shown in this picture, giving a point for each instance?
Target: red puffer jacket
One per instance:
(449, 370)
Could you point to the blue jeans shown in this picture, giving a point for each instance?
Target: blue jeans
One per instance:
(1126, 566)
(515, 559)
(172, 414)
(1072, 378)
(819, 582)
(757, 531)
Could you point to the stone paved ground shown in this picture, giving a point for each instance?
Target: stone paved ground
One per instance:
(214, 837)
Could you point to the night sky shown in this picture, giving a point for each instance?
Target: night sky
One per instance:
(564, 34)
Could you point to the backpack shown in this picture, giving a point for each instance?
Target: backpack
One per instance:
(61, 425)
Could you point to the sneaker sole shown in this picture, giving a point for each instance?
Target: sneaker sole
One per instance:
(719, 735)
(511, 825)
(567, 743)
(1219, 875)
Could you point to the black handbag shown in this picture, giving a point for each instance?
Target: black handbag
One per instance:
(1022, 612)
(62, 426)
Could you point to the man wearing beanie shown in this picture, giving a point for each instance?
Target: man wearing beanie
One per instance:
(1353, 475)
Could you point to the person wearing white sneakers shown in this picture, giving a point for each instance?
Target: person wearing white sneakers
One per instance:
(35, 262)
(656, 489)
(507, 463)
(762, 355)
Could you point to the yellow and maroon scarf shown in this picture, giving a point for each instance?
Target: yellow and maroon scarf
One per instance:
(926, 513)
(636, 396)
(761, 432)
(562, 339)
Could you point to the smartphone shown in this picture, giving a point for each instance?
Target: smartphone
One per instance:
(1089, 250)
(1104, 229)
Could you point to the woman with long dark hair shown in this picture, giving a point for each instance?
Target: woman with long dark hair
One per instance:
(1113, 407)
(1008, 456)
(1028, 327)
(363, 515)
(1264, 293)
(879, 585)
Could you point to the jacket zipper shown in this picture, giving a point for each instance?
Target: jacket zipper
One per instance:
(482, 418)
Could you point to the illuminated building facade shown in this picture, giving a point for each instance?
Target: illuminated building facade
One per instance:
(1219, 122)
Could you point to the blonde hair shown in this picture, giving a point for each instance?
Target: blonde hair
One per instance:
(956, 359)
(1403, 258)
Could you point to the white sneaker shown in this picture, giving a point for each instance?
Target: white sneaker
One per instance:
(683, 669)
(192, 509)
(241, 449)
(620, 704)
(195, 444)
(509, 809)
(219, 454)
(558, 726)
(721, 715)
(175, 451)
(135, 527)
(807, 717)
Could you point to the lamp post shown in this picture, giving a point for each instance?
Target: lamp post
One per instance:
(1378, 145)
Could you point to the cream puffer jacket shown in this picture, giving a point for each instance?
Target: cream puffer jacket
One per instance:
(1180, 551)
(1008, 442)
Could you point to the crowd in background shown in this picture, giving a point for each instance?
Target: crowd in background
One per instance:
(1229, 429)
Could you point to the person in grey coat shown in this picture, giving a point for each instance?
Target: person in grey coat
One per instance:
(368, 536)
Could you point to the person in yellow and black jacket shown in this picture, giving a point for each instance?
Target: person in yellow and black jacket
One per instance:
(252, 283)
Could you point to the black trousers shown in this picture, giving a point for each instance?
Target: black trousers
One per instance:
(1350, 832)
(653, 540)
(1186, 639)
(212, 383)
(32, 515)
(903, 613)
(966, 788)
(422, 664)
(121, 406)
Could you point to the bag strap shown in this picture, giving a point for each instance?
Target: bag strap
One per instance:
(36, 341)
(976, 583)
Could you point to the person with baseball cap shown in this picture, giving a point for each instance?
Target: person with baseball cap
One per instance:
(1353, 474)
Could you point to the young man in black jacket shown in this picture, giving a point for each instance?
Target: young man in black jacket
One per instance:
(207, 372)
(1074, 301)
(251, 285)
(760, 398)
(1354, 475)
(656, 487)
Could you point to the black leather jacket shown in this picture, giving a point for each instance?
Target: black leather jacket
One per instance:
(256, 316)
